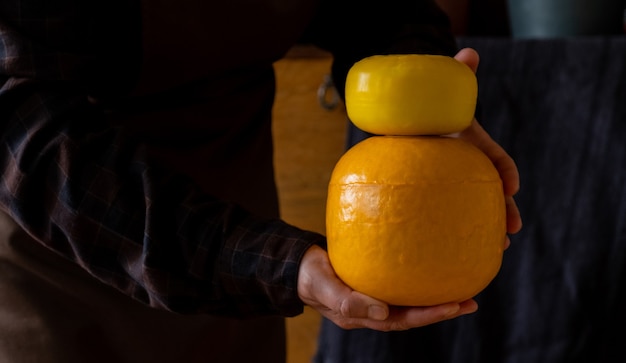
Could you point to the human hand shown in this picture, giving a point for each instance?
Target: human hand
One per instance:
(501, 160)
(320, 288)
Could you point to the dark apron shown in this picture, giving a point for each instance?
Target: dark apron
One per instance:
(52, 311)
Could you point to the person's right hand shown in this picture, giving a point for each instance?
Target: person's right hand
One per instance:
(320, 288)
(502, 161)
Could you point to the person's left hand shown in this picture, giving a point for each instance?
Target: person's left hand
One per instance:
(321, 289)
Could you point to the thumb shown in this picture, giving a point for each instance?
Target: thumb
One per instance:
(320, 288)
(356, 305)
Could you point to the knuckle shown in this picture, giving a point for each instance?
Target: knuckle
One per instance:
(345, 308)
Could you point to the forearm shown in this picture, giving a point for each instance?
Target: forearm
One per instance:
(88, 192)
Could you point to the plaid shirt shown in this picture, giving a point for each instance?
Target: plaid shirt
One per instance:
(86, 190)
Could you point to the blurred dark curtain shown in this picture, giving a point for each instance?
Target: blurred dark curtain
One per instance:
(559, 108)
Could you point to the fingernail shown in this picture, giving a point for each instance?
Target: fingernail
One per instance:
(376, 312)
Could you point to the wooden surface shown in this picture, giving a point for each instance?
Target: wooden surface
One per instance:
(308, 142)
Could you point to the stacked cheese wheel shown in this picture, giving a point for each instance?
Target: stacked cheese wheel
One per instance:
(414, 217)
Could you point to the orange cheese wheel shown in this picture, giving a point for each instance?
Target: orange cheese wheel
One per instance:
(416, 220)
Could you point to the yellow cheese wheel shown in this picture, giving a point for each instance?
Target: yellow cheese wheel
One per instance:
(411, 94)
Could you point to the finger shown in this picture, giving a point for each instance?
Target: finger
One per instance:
(358, 305)
(416, 317)
(513, 216)
(503, 162)
(345, 303)
(470, 57)
(403, 318)
(468, 307)
(325, 291)
(506, 167)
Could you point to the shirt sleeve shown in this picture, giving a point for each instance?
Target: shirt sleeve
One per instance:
(87, 191)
